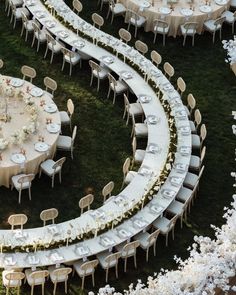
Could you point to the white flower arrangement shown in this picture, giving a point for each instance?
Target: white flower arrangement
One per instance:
(3, 143)
(230, 47)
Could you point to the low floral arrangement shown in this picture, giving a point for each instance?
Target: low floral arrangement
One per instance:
(230, 47)
(22, 134)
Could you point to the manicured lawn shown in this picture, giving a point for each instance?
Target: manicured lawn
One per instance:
(103, 140)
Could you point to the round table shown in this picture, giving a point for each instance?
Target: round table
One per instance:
(17, 98)
(176, 17)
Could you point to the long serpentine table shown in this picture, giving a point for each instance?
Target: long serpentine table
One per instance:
(181, 13)
(116, 206)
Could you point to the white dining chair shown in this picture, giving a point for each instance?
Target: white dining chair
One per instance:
(124, 35)
(189, 29)
(147, 241)
(1, 63)
(166, 225)
(109, 260)
(181, 86)
(39, 34)
(128, 250)
(169, 70)
(66, 143)
(230, 18)
(51, 168)
(77, 6)
(115, 9)
(50, 85)
(214, 25)
(196, 161)
(134, 19)
(59, 275)
(70, 57)
(85, 202)
(117, 86)
(102, 2)
(128, 175)
(49, 215)
(107, 190)
(138, 154)
(16, 13)
(139, 130)
(194, 125)
(28, 72)
(132, 109)
(26, 26)
(36, 278)
(191, 104)
(21, 182)
(141, 47)
(156, 58)
(98, 72)
(98, 20)
(12, 279)
(192, 179)
(66, 116)
(17, 220)
(53, 45)
(84, 269)
(197, 140)
(160, 27)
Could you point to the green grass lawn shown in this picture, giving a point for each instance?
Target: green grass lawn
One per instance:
(103, 140)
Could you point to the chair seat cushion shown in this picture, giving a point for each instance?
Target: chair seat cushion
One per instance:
(17, 3)
(102, 74)
(118, 8)
(175, 208)
(139, 156)
(229, 16)
(192, 127)
(163, 224)
(41, 36)
(64, 142)
(17, 185)
(140, 22)
(210, 25)
(141, 130)
(195, 162)
(55, 48)
(102, 256)
(54, 278)
(161, 30)
(79, 271)
(65, 119)
(143, 239)
(135, 109)
(74, 60)
(196, 141)
(47, 165)
(184, 194)
(120, 87)
(184, 31)
(28, 26)
(190, 180)
(130, 176)
(18, 12)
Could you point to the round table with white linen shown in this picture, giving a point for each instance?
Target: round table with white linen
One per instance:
(29, 128)
(176, 14)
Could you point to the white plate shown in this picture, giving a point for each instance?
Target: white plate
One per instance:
(185, 130)
(220, 2)
(145, 4)
(156, 73)
(41, 146)
(50, 24)
(62, 34)
(185, 150)
(37, 92)
(186, 11)
(181, 168)
(107, 59)
(176, 181)
(126, 75)
(139, 223)
(18, 158)
(50, 108)
(156, 209)
(151, 119)
(16, 82)
(56, 257)
(145, 171)
(153, 148)
(53, 128)
(164, 10)
(79, 43)
(144, 98)
(205, 9)
(40, 14)
(167, 193)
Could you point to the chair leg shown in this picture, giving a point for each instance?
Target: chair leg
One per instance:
(55, 287)
(26, 35)
(125, 264)
(107, 270)
(32, 44)
(167, 239)
(155, 36)
(30, 193)
(53, 181)
(38, 45)
(70, 69)
(52, 54)
(91, 80)
(135, 33)
(93, 279)
(22, 29)
(117, 270)
(109, 91)
(46, 52)
(66, 288)
(82, 287)
(135, 261)
(60, 176)
(42, 289)
(147, 254)
(184, 40)
(98, 85)
(19, 199)
(32, 290)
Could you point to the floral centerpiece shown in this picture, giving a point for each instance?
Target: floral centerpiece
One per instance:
(230, 47)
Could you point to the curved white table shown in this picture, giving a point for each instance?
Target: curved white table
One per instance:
(157, 134)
